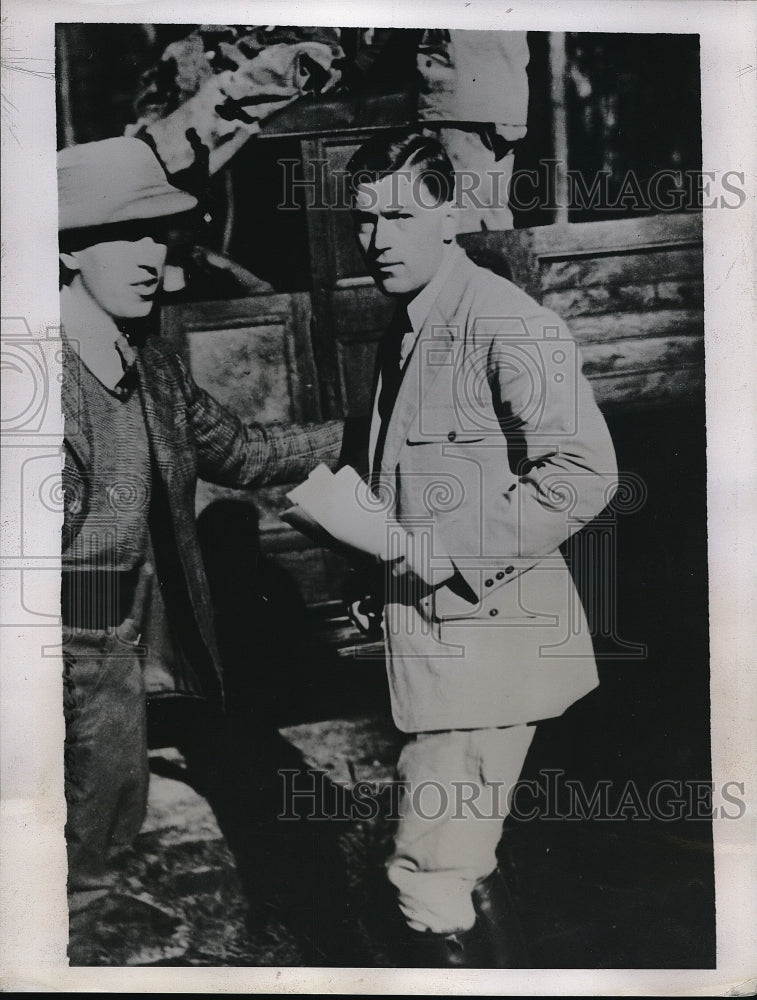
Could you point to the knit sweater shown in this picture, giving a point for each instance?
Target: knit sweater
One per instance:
(113, 539)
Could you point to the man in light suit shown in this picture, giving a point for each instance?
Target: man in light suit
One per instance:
(488, 451)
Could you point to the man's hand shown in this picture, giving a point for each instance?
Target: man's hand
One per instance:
(414, 575)
(367, 615)
(405, 584)
(363, 597)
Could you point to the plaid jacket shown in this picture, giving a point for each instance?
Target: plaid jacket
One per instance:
(190, 435)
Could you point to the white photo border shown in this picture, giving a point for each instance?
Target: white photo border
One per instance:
(32, 852)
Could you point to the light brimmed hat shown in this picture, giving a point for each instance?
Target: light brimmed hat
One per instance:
(114, 180)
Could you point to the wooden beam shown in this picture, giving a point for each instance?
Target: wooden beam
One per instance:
(557, 66)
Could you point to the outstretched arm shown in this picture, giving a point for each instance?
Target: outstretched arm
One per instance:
(232, 453)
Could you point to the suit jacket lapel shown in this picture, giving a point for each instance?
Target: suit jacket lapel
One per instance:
(76, 420)
(375, 422)
(159, 420)
(438, 332)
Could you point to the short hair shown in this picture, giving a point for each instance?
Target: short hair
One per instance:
(381, 156)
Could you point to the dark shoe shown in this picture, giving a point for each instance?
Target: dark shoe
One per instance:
(460, 950)
(505, 945)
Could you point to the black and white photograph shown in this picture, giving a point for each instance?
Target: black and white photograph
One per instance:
(368, 501)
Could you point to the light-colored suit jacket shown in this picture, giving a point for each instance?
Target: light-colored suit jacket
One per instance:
(496, 452)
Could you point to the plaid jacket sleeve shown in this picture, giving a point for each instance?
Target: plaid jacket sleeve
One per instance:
(231, 453)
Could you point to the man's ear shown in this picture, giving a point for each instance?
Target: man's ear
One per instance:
(69, 260)
(449, 223)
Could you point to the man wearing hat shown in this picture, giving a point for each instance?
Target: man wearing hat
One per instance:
(138, 433)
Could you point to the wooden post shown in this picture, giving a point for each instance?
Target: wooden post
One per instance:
(63, 76)
(557, 67)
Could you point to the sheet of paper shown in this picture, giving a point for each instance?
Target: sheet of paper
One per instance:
(344, 506)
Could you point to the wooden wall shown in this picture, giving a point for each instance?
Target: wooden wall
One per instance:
(631, 292)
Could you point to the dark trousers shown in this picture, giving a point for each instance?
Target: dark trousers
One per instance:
(106, 772)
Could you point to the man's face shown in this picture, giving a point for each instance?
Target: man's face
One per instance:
(121, 275)
(402, 232)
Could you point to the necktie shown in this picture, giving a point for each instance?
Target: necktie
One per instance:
(390, 354)
(128, 360)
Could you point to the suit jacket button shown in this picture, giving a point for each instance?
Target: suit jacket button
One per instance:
(500, 575)
(494, 612)
(489, 583)
(509, 569)
(451, 436)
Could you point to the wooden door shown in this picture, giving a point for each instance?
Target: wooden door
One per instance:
(254, 356)
(350, 313)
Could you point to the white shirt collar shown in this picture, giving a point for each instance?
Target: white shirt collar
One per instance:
(419, 308)
(92, 334)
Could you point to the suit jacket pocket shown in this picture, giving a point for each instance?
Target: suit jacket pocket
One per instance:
(446, 438)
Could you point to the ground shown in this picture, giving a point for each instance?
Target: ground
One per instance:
(297, 892)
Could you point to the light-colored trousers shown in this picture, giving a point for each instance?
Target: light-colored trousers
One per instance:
(453, 802)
